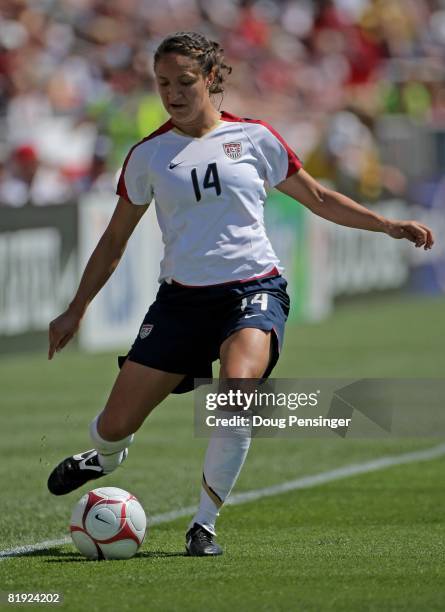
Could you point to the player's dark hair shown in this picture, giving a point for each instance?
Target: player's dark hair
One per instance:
(207, 53)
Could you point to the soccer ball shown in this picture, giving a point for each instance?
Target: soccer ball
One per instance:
(108, 523)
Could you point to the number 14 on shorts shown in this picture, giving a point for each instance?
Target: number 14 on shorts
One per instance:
(258, 298)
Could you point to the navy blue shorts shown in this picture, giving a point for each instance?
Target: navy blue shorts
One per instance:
(184, 328)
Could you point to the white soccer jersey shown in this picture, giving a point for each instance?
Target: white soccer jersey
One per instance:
(210, 194)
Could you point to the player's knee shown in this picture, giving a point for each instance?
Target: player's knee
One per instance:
(242, 370)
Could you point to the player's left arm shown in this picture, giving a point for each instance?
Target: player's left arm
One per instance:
(340, 209)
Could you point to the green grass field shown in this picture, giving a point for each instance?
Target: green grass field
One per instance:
(368, 542)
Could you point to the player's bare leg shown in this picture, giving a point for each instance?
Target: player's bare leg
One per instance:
(137, 391)
(244, 355)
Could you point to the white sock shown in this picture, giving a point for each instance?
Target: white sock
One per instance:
(224, 459)
(110, 454)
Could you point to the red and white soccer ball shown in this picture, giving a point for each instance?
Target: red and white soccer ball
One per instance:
(108, 523)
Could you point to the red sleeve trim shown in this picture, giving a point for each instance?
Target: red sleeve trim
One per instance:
(121, 189)
(294, 163)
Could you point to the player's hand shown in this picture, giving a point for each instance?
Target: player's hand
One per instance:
(413, 231)
(61, 330)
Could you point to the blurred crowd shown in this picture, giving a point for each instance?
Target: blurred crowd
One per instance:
(77, 87)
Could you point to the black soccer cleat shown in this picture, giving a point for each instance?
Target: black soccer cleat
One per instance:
(199, 542)
(73, 472)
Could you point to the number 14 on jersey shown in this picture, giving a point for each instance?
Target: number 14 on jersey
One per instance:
(211, 180)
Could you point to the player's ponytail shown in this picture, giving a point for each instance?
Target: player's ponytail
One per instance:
(208, 53)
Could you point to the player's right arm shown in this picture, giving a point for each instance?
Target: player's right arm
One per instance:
(98, 270)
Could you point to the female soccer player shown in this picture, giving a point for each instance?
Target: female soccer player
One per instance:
(221, 294)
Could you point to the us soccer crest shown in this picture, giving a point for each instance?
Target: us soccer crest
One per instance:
(145, 330)
(232, 149)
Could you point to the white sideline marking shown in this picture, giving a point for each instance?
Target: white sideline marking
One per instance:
(241, 498)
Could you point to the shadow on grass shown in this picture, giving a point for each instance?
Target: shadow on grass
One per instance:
(160, 553)
(66, 556)
(62, 556)
(77, 558)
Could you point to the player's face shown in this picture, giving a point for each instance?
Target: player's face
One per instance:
(182, 87)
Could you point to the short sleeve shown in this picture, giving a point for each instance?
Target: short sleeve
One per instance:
(134, 182)
(280, 160)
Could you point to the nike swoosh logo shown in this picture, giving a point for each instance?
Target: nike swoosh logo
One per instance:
(171, 166)
(254, 315)
(83, 465)
(97, 516)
